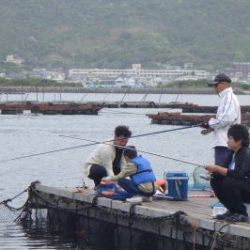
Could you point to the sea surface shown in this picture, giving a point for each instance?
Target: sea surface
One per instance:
(27, 134)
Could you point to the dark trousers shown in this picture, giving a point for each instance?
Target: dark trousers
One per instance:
(221, 155)
(96, 173)
(232, 193)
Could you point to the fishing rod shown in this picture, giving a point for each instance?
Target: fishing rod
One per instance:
(91, 144)
(139, 150)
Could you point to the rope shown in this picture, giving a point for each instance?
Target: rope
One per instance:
(10, 199)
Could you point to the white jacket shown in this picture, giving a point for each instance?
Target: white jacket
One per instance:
(103, 155)
(228, 113)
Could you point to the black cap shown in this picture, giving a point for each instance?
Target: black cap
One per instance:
(220, 78)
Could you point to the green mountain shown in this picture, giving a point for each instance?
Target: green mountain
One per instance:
(118, 33)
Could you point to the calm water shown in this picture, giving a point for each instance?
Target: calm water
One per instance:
(28, 134)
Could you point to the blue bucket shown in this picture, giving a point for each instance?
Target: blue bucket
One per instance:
(177, 185)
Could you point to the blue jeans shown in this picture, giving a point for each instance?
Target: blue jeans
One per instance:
(129, 186)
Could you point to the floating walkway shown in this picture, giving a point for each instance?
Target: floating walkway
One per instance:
(167, 118)
(185, 221)
(50, 108)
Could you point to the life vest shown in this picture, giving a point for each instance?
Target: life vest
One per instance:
(144, 171)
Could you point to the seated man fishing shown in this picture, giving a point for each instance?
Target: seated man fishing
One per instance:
(141, 179)
(232, 188)
(107, 159)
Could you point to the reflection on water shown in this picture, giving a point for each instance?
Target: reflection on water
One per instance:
(81, 233)
(14, 236)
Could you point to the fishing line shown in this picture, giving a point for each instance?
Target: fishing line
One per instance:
(106, 143)
(140, 150)
(90, 144)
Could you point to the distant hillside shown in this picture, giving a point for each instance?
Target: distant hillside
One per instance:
(115, 33)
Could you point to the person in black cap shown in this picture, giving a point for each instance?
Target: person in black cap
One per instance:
(228, 113)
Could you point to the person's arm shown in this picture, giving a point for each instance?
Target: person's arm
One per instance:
(127, 170)
(226, 114)
(212, 168)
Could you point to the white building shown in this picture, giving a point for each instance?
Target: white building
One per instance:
(13, 58)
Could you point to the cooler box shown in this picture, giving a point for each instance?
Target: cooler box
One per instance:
(177, 185)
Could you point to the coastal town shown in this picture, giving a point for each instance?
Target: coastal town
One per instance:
(125, 125)
(134, 77)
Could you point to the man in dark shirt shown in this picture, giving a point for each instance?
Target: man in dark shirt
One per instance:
(232, 188)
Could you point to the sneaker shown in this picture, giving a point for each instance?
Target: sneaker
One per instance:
(223, 216)
(236, 218)
(135, 199)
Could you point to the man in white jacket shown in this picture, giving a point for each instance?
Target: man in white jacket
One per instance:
(228, 113)
(107, 159)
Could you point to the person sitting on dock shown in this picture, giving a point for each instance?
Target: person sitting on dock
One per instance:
(228, 113)
(107, 159)
(232, 187)
(142, 179)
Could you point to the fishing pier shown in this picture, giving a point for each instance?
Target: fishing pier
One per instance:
(184, 222)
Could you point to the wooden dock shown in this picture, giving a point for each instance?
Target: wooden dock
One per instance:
(160, 217)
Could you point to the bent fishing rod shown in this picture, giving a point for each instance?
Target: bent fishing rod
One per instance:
(95, 143)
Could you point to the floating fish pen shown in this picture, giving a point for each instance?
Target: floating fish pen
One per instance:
(142, 104)
(50, 108)
(14, 108)
(193, 108)
(65, 109)
(185, 107)
(167, 118)
(170, 224)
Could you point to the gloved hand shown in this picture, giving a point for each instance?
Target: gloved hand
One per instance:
(206, 131)
(204, 125)
(107, 178)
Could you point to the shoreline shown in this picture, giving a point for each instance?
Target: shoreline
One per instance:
(24, 89)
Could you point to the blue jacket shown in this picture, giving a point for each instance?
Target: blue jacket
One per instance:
(144, 171)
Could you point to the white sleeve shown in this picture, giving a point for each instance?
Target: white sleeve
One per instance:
(102, 155)
(227, 113)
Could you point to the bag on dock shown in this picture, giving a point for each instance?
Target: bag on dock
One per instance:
(111, 191)
(199, 182)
